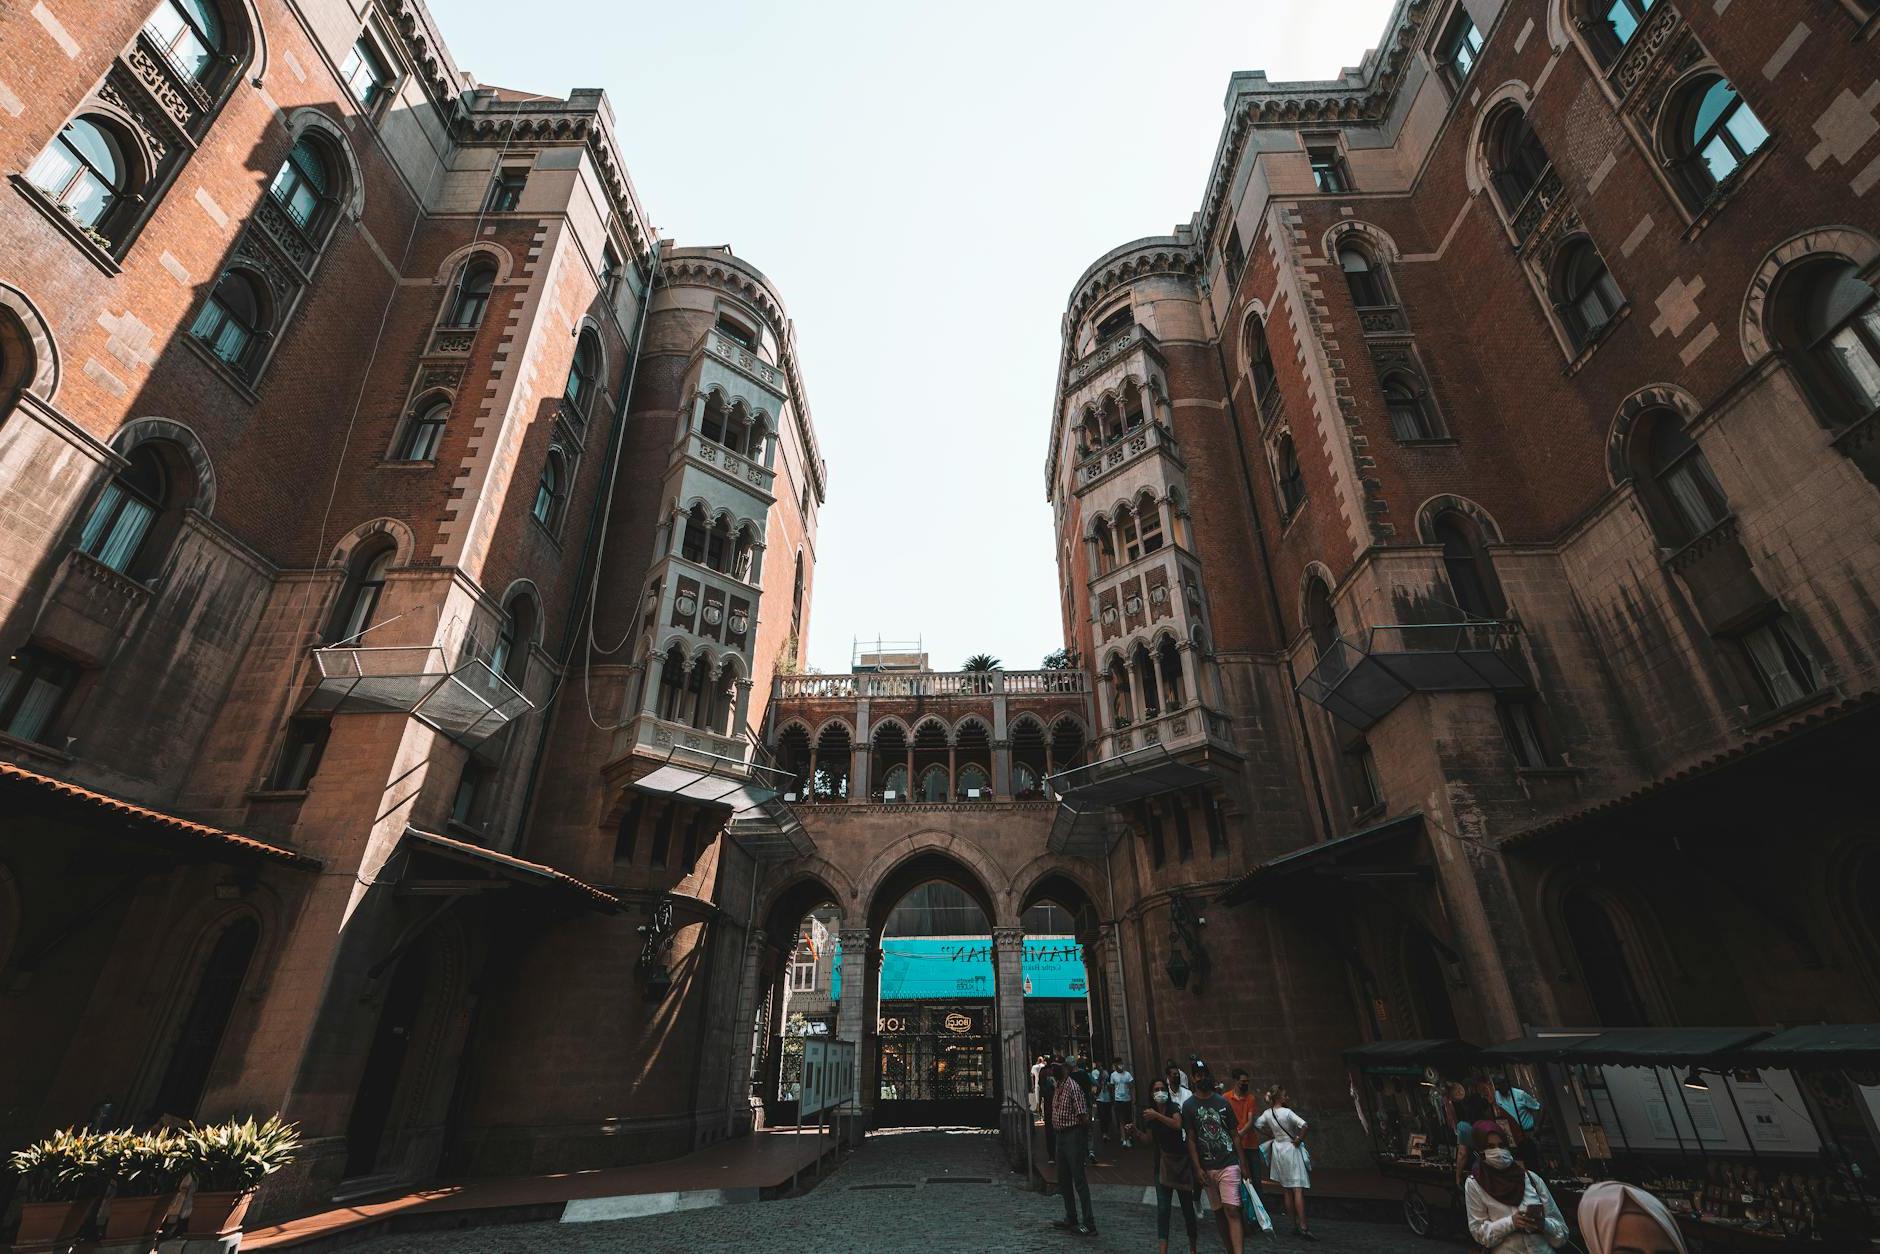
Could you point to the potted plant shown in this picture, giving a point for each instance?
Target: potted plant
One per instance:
(145, 1169)
(62, 1178)
(228, 1161)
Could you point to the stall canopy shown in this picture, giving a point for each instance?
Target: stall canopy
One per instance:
(1350, 857)
(1819, 1043)
(1444, 1050)
(1636, 1047)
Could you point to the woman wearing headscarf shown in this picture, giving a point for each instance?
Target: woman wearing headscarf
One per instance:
(1621, 1219)
(1510, 1208)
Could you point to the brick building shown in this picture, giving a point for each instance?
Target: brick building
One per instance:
(1468, 519)
(384, 507)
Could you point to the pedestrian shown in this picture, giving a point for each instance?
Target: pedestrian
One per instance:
(1047, 1090)
(1037, 1069)
(1214, 1151)
(1468, 1107)
(1246, 1104)
(1095, 1083)
(1122, 1092)
(1510, 1208)
(1178, 1091)
(1070, 1115)
(1624, 1219)
(1161, 1125)
(1106, 1100)
(1519, 1108)
(1288, 1164)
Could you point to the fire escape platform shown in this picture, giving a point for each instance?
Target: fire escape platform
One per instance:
(761, 823)
(1361, 680)
(468, 702)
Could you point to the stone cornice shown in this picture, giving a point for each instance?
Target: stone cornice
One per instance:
(1363, 97)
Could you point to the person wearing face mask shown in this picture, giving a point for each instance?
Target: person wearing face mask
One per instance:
(1160, 1124)
(1621, 1219)
(1510, 1208)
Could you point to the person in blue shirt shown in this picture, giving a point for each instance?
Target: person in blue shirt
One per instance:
(1522, 1109)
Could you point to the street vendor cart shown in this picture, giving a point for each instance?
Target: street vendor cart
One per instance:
(1400, 1088)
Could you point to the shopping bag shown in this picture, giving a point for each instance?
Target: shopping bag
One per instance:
(1252, 1209)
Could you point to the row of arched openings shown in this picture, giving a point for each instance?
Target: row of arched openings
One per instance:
(933, 764)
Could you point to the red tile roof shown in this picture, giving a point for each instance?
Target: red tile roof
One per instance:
(102, 802)
(509, 862)
(1812, 721)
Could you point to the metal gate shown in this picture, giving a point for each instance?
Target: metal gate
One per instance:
(937, 1065)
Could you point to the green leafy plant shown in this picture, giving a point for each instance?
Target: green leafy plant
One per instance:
(235, 1157)
(147, 1164)
(1060, 660)
(982, 662)
(68, 1166)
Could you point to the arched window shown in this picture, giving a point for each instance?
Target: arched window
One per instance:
(424, 431)
(1149, 522)
(1467, 566)
(1617, 21)
(1685, 491)
(1126, 535)
(1716, 133)
(1516, 160)
(974, 783)
(1606, 966)
(933, 784)
(189, 33)
(509, 656)
(359, 596)
(1168, 665)
(1292, 480)
(470, 297)
(84, 172)
(1364, 279)
(115, 530)
(1584, 292)
(550, 490)
(584, 374)
(1106, 548)
(1259, 358)
(232, 320)
(1410, 417)
(199, 1037)
(1321, 619)
(303, 186)
(1829, 320)
(895, 783)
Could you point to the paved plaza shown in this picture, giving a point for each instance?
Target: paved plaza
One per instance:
(922, 1191)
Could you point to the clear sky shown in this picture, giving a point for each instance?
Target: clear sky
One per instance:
(924, 183)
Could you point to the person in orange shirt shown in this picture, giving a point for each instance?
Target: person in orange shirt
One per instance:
(1246, 1104)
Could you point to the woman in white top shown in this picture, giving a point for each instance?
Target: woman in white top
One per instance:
(1511, 1210)
(1287, 1164)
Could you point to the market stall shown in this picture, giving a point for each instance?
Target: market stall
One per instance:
(1401, 1089)
(1747, 1145)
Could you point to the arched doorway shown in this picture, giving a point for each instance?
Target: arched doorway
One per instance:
(199, 1036)
(1429, 989)
(1606, 965)
(397, 1125)
(935, 1049)
(1066, 1010)
(800, 983)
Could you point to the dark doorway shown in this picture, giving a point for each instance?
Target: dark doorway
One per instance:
(385, 1062)
(1605, 966)
(200, 1039)
(1429, 990)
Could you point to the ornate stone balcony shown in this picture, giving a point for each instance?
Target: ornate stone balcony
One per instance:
(1190, 727)
(660, 737)
(932, 684)
(1127, 448)
(735, 465)
(1547, 192)
(91, 609)
(1108, 354)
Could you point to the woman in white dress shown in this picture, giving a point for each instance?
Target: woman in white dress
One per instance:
(1287, 1163)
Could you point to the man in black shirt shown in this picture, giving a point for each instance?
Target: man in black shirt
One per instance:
(1214, 1151)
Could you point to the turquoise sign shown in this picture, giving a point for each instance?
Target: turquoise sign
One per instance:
(941, 968)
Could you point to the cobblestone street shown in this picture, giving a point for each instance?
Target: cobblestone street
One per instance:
(921, 1191)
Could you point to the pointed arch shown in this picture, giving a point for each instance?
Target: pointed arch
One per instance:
(26, 336)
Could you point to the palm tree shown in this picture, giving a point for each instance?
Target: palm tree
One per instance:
(982, 662)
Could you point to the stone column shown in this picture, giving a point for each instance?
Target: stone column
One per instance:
(655, 676)
(744, 1033)
(743, 707)
(1008, 974)
(953, 772)
(859, 757)
(852, 1018)
(1108, 954)
(1002, 769)
(1139, 706)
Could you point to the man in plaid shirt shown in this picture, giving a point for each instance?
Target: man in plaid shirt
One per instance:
(1070, 1119)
